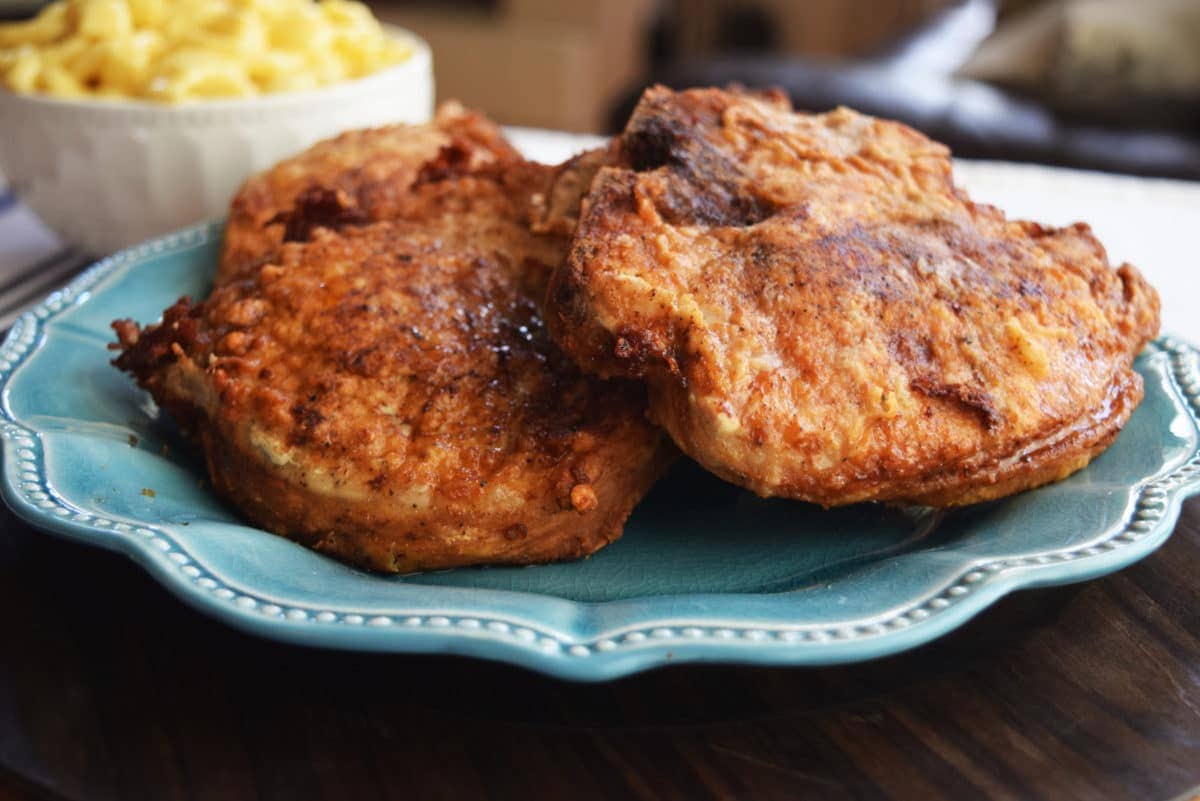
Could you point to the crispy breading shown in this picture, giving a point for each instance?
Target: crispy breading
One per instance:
(369, 171)
(821, 314)
(385, 391)
(555, 210)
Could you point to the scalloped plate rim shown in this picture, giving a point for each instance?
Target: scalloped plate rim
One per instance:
(636, 644)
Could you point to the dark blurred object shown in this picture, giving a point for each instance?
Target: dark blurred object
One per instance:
(912, 80)
(11, 10)
(563, 63)
(814, 28)
(1110, 61)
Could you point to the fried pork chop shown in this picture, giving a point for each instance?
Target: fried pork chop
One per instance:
(363, 176)
(385, 392)
(821, 314)
(555, 210)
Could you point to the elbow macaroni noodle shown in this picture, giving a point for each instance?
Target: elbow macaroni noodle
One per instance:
(179, 50)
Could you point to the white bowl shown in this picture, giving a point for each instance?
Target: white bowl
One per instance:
(106, 174)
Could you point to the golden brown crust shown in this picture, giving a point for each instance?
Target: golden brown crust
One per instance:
(385, 392)
(372, 171)
(821, 314)
(556, 209)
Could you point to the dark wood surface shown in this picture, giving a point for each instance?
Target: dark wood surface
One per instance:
(112, 689)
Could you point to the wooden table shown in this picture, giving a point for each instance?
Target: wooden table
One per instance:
(112, 689)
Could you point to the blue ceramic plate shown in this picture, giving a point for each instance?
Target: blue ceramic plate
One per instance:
(705, 571)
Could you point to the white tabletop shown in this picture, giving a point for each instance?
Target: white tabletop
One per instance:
(1152, 223)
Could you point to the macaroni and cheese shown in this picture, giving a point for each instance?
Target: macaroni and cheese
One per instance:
(179, 50)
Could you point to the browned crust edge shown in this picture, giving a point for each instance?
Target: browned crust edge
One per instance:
(403, 541)
(1062, 450)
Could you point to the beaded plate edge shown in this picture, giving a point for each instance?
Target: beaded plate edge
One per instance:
(642, 643)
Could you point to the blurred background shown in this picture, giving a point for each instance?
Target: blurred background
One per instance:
(1101, 84)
